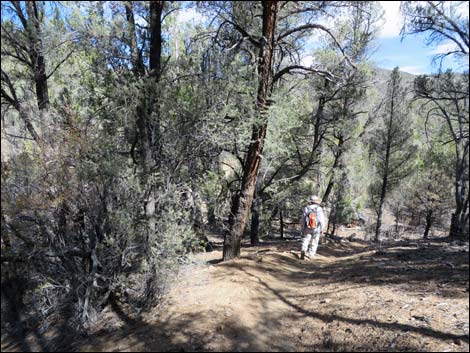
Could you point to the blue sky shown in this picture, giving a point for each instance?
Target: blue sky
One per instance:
(411, 54)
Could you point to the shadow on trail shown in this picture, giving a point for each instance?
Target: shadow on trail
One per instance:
(387, 326)
(179, 334)
(411, 268)
(415, 268)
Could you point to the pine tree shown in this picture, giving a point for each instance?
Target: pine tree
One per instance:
(390, 145)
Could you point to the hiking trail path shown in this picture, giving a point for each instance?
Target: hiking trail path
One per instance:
(353, 296)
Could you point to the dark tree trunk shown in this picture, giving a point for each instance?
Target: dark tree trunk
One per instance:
(281, 220)
(148, 124)
(156, 69)
(459, 225)
(254, 235)
(333, 231)
(460, 217)
(331, 183)
(380, 209)
(211, 219)
(29, 125)
(156, 11)
(329, 222)
(242, 202)
(429, 219)
(136, 57)
(36, 53)
(319, 116)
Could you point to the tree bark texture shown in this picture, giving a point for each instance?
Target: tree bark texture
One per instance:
(148, 110)
(254, 235)
(242, 201)
(36, 53)
(331, 182)
(429, 219)
(281, 221)
(136, 58)
(460, 216)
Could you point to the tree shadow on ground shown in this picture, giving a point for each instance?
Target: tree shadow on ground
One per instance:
(385, 325)
(180, 334)
(412, 268)
(438, 267)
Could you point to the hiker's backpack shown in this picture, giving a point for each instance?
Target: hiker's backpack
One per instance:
(311, 218)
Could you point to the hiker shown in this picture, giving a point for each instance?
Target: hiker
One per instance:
(312, 223)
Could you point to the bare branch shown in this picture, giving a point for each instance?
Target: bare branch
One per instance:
(287, 70)
(60, 63)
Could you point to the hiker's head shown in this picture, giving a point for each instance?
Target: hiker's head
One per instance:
(315, 199)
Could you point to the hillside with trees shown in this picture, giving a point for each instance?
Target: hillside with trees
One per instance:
(156, 157)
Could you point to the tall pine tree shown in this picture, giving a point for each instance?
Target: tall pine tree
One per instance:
(390, 145)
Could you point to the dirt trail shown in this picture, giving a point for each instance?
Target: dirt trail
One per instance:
(351, 296)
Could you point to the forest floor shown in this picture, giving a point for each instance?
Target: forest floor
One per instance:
(352, 296)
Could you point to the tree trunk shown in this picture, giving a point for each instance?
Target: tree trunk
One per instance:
(338, 154)
(242, 202)
(281, 220)
(24, 115)
(383, 192)
(380, 210)
(36, 53)
(318, 122)
(136, 57)
(459, 225)
(156, 69)
(333, 231)
(273, 214)
(329, 222)
(460, 217)
(429, 220)
(211, 219)
(147, 125)
(254, 236)
(156, 10)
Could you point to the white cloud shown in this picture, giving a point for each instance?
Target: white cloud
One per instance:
(392, 20)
